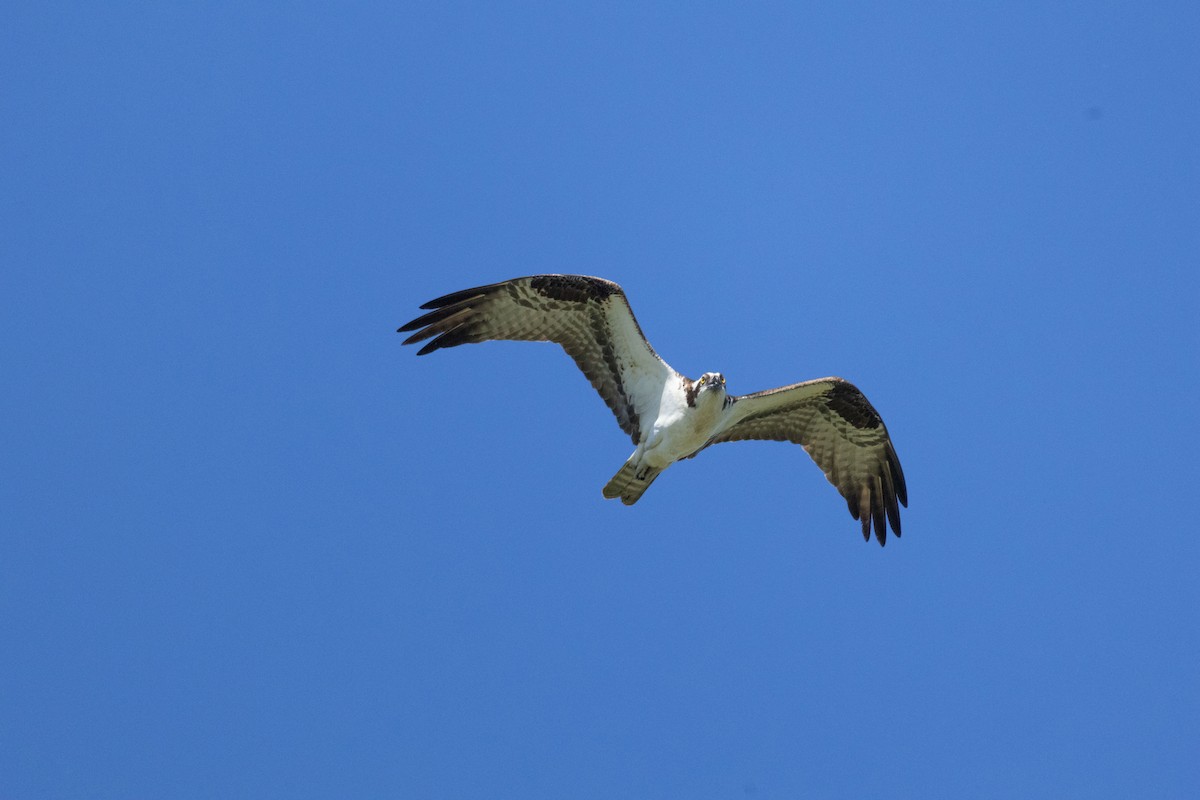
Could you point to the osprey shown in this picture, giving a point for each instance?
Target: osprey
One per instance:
(668, 416)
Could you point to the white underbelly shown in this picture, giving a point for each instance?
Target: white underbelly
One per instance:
(678, 439)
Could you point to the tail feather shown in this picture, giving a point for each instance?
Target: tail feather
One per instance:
(627, 485)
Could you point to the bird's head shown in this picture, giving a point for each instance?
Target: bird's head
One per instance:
(712, 382)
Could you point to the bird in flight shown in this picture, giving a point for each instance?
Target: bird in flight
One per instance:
(671, 417)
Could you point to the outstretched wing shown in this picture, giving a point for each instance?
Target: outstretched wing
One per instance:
(589, 317)
(844, 434)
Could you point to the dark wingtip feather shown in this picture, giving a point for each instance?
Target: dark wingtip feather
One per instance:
(443, 320)
(897, 475)
(439, 307)
(458, 297)
(876, 511)
(432, 318)
(457, 335)
(419, 336)
(893, 515)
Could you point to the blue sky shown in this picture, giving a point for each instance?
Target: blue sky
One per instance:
(253, 547)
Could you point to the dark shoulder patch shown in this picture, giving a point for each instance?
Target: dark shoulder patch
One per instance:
(690, 390)
(572, 288)
(851, 405)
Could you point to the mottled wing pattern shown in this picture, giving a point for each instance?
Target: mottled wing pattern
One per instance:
(834, 422)
(589, 317)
